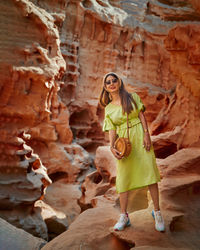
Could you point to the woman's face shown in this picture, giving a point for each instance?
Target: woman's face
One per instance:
(112, 84)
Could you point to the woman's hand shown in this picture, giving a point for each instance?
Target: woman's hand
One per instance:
(113, 137)
(147, 141)
(116, 153)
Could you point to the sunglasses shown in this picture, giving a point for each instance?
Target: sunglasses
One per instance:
(115, 80)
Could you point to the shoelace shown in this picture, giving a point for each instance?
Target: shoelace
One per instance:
(122, 219)
(159, 217)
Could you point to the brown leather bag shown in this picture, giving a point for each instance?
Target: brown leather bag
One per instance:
(123, 145)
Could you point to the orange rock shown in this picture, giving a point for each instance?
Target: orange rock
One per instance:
(105, 164)
(81, 233)
(63, 197)
(167, 143)
(101, 180)
(55, 220)
(184, 109)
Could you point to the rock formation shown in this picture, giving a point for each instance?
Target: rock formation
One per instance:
(83, 236)
(53, 58)
(34, 122)
(17, 239)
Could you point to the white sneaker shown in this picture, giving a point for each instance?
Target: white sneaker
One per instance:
(159, 222)
(123, 222)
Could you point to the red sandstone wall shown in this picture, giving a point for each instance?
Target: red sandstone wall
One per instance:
(34, 123)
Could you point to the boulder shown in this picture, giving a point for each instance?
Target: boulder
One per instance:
(63, 197)
(13, 238)
(90, 231)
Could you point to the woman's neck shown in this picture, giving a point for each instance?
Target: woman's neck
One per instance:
(116, 98)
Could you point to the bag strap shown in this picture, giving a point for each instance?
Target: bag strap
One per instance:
(127, 127)
(127, 124)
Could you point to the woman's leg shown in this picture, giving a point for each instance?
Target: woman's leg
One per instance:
(155, 195)
(159, 222)
(124, 219)
(123, 197)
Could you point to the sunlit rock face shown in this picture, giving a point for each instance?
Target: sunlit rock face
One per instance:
(53, 58)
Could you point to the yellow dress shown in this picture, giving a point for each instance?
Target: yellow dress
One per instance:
(139, 169)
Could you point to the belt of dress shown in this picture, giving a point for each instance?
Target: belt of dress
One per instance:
(131, 123)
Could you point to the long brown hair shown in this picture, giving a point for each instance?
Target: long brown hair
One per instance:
(125, 97)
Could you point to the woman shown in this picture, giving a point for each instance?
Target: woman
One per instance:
(139, 168)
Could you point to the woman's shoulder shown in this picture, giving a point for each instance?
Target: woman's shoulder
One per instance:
(108, 107)
(134, 94)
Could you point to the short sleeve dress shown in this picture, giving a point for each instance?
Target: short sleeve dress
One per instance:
(139, 169)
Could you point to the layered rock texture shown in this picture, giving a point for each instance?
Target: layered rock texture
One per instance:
(53, 58)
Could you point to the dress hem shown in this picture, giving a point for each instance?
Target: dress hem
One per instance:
(133, 188)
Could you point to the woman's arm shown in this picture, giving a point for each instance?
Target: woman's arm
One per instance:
(112, 137)
(147, 139)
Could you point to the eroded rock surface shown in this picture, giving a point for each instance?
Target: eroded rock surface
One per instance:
(31, 66)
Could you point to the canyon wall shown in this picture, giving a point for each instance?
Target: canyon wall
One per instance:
(34, 122)
(54, 55)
